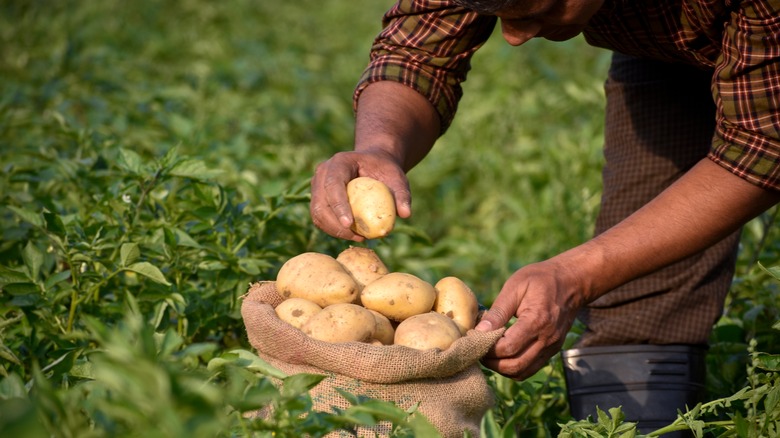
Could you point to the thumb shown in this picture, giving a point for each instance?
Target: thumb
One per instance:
(499, 313)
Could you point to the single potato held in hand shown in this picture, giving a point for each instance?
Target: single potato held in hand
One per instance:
(373, 207)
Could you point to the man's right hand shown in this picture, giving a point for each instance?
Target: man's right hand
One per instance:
(330, 210)
(395, 128)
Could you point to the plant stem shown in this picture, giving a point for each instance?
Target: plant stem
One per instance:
(74, 302)
(678, 426)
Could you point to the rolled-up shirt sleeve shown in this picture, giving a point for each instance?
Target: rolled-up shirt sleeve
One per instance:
(746, 87)
(427, 45)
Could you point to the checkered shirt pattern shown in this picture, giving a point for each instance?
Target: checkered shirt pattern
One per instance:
(428, 45)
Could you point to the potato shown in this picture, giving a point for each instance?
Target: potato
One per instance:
(318, 278)
(427, 331)
(342, 322)
(398, 296)
(296, 311)
(457, 301)
(384, 333)
(373, 207)
(363, 264)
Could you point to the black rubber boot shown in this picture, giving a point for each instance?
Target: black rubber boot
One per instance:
(650, 382)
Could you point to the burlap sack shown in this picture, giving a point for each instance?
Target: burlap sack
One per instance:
(449, 386)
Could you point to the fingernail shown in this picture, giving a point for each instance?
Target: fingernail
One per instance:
(345, 222)
(484, 326)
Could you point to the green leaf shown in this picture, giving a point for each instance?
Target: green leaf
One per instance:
(772, 400)
(150, 271)
(257, 396)
(298, 384)
(200, 349)
(252, 266)
(21, 289)
(54, 279)
(489, 427)
(774, 271)
(12, 387)
(248, 360)
(741, 424)
(212, 265)
(617, 417)
(33, 259)
(194, 169)
(356, 415)
(184, 239)
(130, 160)
(25, 300)
(422, 427)
(8, 355)
(54, 223)
(351, 398)
(769, 362)
(159, 313)
(167, 343)
(9, 275)
(83, 369)
(129, 253)
(603, 419)
(26, 215)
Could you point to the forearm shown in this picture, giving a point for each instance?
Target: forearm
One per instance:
(398, 121)
(703, 207)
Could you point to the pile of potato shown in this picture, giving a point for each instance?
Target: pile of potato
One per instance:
(355, 298)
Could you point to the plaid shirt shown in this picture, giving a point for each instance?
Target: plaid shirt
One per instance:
(427, 45)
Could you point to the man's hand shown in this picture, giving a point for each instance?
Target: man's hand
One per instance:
(543, 297)
(705, 205)
(395, 128)
(329, 208)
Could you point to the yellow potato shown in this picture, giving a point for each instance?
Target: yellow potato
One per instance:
(398, 296)
(384, 332)
(296, 311)
(343, 322)
(427, 331)
(363, 264)
(373, 207)
(457, 301)
(318, 278)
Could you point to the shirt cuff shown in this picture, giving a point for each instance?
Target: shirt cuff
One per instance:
(753, 158)
(445, 102)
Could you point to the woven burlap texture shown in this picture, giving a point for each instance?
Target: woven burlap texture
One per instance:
(449, 386)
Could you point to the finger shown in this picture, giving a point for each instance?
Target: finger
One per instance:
(519, 368)
(521, 355)
(334, 186)
(322, 214)
(402, 194)
(524, 349)
(502, 310)
(329, 184)
(325, 220)
(516, 340)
